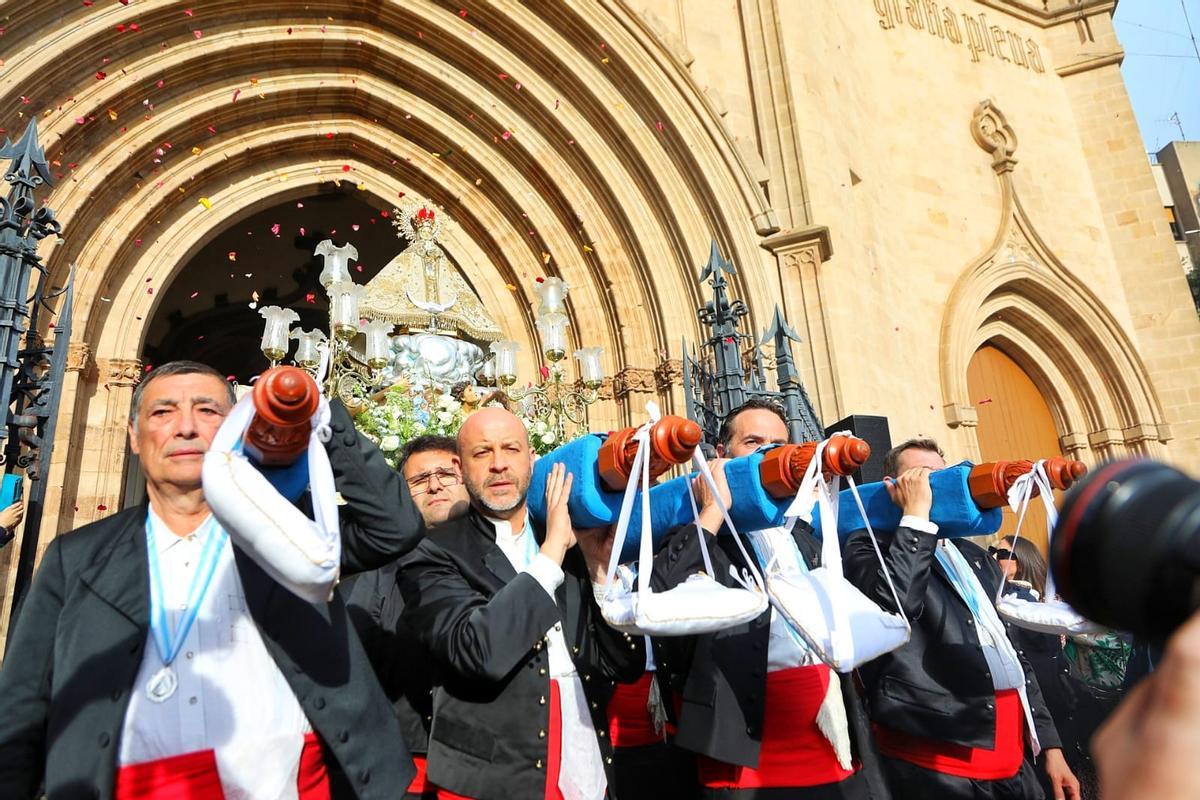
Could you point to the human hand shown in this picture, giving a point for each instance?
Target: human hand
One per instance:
(711, 518)
(911, 492)
(1150, 746)
(560, 536)
(1062, 780)
(11, 517)
(597, 545)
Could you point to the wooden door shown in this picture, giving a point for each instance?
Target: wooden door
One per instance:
(1014, 422)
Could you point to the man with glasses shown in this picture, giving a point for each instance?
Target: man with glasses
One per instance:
(430, 467)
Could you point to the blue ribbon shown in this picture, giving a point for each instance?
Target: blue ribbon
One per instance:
(168, 646)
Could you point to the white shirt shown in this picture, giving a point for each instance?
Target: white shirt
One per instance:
(231, 696)
(581, 775)
(785, 648)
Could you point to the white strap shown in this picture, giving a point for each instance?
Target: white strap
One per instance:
(827, 494)
(1020, 497)
(749, 579)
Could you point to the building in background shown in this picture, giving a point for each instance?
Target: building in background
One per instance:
(950, 201)
(1177, 168)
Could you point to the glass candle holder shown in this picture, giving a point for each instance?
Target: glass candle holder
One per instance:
(552, 296)
(378, 342)
(337, 262)
(553, 328)
(275, 334)
(487, 373)
(506, 361)
(344, 297)
(308, 349)
(590, 370)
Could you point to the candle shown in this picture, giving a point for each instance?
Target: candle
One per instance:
(506, 361)
(553, 328)
(275, 333)
(378, 342)
(337, 262)
(590, 370)
(552, 294)
(344, 297)
(308, 351)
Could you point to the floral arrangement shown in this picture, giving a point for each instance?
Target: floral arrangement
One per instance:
(542, 437)
(405, 411)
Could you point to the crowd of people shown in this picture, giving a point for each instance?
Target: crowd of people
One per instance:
(464, 655)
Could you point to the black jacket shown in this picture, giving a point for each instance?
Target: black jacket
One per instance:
(722, 675)
(79, 639)
(375, 604)
(937, 686)
(485, 626)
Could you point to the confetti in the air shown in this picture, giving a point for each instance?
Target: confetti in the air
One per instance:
(204, 201)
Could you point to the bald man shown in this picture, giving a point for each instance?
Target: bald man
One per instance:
(523, 662)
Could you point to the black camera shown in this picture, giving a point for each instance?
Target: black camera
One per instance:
(1126, 550)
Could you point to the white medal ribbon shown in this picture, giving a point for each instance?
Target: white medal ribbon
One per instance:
(164, 682)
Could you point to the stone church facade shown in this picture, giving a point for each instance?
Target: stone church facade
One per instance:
(912, 182)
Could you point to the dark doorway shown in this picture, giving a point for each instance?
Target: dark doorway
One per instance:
(206, 315)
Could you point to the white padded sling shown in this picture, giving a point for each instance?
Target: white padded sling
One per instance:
(698, 605)
(302, 554)
(843, 626)
(1051, 615)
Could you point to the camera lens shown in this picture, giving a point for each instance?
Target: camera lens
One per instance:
(1126, 550)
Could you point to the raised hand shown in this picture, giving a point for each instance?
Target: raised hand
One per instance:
(711, 518)
(911, 492)
(597, 545)
(11, 517)
(560, 536)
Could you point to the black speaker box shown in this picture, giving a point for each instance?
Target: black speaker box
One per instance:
(875, 431)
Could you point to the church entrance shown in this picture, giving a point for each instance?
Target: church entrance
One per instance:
(1014, 422)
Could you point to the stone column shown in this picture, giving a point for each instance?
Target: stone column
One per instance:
(102, 459)
(800, 252)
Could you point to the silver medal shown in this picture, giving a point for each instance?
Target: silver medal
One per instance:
(162, 685)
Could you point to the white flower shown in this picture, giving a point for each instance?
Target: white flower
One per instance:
(444, 417)
(548, 437)
(389, 443)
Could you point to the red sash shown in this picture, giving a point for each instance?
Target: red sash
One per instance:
(194, 776)
(947, 758)
(553, 752)
(794, 752)
(420, 783)
(629, 721)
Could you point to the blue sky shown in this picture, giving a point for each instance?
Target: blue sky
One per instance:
(1162, 68)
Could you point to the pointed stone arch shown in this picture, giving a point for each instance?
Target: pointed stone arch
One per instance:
(1019, 297)
(609, 157)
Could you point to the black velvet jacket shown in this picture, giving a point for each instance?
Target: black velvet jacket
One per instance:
(937, 686)
(722, 676)
(484, 626)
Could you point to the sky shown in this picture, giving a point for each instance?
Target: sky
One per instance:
(1162, 67)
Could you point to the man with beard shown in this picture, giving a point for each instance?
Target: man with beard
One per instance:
(766, 718)
(523, 661)
(430, 467)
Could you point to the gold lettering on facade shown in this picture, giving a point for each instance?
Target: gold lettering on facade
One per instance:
(975, 32)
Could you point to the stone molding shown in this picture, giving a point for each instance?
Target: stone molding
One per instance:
(119, 372)
(668, 374)
(79, 357)
(991, 131)
(633, 379)
(800, 240)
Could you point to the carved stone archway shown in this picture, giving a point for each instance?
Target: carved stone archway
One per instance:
(208, 112)
(1019, 297)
